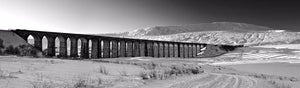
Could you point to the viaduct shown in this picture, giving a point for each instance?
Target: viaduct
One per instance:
(113, 47)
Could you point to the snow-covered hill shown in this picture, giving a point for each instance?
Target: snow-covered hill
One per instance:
(216, 33)
(215, 26)
(232, 38)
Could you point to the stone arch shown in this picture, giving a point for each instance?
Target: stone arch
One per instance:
(143, 48)
(45, 45)
(181, 50)
(114, 48)
(119, 48)
(95, 48)
(61, 46)
(166, 49)
(84, 48)
(171, 50)
(176, 49)
(30, 39)
(161, 49)
(155, 49)
(74, 46)
(129, 48)
(122, 48)
(106, 48)
(136, 48)
(50, 46)
(37, 41)
(149, 47)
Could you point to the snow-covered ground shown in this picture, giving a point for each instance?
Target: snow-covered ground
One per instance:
(17, 72)
(289, 53)
(22, 72)
(279, 60)
(282, 46)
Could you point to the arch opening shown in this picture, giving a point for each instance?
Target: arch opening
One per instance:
(84, 48)
(90, 48)
(30, 40)
(119, 48)
(79, 47)
(101, 48)
(57, 45)
(45, 45)
(68, 46)
(126, 49)
(110, 48)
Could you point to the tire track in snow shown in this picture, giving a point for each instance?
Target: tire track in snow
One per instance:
(219, 81)
(192, 83)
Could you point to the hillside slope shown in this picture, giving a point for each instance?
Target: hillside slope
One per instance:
(10, 38)
(231, 38)
(216, 33)
(215, 26)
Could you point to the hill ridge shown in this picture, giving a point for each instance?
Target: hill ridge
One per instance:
(230, 33)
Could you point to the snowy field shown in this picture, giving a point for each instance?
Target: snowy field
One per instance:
(257, 67)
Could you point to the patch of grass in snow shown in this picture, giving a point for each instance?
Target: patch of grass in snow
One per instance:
(103, 70)
(42, 81)
(6, 74)
(160, 69)
(279, 84)
(123, 73)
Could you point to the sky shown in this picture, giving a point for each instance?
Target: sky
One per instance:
(107, 16)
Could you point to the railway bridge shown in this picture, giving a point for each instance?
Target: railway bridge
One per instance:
(113, 47)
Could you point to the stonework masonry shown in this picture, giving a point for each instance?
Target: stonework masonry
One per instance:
(114, 47)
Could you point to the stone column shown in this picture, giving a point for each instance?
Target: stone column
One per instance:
(114, 49)
(51, 46)
(84, 51)
(95, 43)
(190, 51)
(155, 49)
(100, 48)
(122, 48)
(161, 49)
(142, 48)
(74, 47)
(106, 48)
(129, 49)
(166, 50)
(38, 42)
(150, 49)
(171, 50)
(136, 49)
(194, 50)
(24, 36)
(176, 54)
(62, 47)
(186, 51)
(181, 50)
(198, 48)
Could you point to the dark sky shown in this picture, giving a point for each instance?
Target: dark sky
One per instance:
(102, 16)
(273, 13)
